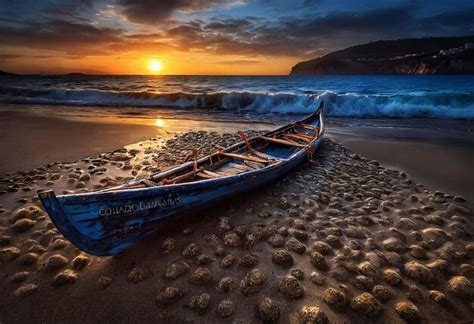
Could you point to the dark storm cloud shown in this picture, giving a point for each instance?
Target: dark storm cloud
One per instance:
(454, 21)
(386, 20)
(62, 13)
(152, 12)
(69, 37)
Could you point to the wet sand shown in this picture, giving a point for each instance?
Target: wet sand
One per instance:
(440, 159)
(341, 239)
(33, 138)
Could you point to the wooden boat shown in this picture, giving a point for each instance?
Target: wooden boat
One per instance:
(108, 221)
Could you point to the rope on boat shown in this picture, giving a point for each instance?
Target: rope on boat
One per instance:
(310, 150)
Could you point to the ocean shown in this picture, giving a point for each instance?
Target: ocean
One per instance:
(259, 97)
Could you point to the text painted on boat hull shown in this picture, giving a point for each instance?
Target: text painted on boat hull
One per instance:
(140, 206)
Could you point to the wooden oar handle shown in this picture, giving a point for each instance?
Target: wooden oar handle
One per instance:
(195, 155)
(246, 141)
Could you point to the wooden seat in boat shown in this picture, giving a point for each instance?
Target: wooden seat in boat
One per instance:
(297, 137)
(282, 141)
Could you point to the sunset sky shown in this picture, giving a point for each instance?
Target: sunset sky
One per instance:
(206, 37)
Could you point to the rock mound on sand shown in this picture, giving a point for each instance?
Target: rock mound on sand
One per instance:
(437, 296)
(25, 290)
(28, 259)
(394, 244)
(296, 246)
(23, 225)
(382, 293)
(276, 240)
(191, 250)
(335, 298)
(267, 310)
(176, 270)
(227, 261)
(168, 296)
(248, 261)
(317, 278)
(65, 278)
(19, 277)
(438, 266)
(318, 261)
(202, 276)
(103, 282)
(227, 284)
(368, 269)
(408, 311)
(290, 287)
(5, 240)
(334, 241)
(30, 212)
(168, 246)
(283, 258)
(321, 247)
(460, 286)
(435, 237)
(231, 239)
(9, 254)
(297, 273)
(418, 272)
(312, 315)
(200, 303)
(203, 259)
(55, 262)
(139, 274)
(225, 308)
(80, 262)
(253, 282)
(366, 304)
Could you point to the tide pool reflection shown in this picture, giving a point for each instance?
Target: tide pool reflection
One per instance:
(160, 122)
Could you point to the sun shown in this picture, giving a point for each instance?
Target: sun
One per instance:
(155, 66)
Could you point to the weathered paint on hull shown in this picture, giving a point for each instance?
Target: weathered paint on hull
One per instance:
(107, 223)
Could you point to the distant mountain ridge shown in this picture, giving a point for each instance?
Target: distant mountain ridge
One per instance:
(4, 73)
(439, 55)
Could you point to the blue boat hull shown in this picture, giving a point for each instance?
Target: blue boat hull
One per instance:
(106, 223)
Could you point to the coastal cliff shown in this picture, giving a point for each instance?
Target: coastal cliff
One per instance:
(443, 55)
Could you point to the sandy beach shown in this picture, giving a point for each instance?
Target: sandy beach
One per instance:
(366, 232)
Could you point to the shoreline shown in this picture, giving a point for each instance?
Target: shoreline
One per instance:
(37, 138)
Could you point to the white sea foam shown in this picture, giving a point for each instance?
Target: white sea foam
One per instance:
(351, 104)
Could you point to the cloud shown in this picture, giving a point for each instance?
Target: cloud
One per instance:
(453, 21)
(239, 62)
(9, 56)
(307, 36)
(301, 36)
(60, 35)
(152, 12)
(66, 14)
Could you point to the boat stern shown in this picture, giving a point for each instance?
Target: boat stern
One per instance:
(56, 213)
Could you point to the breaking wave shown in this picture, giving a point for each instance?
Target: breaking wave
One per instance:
(446, 105)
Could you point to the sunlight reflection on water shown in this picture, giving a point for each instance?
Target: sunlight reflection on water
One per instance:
(160, 122)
